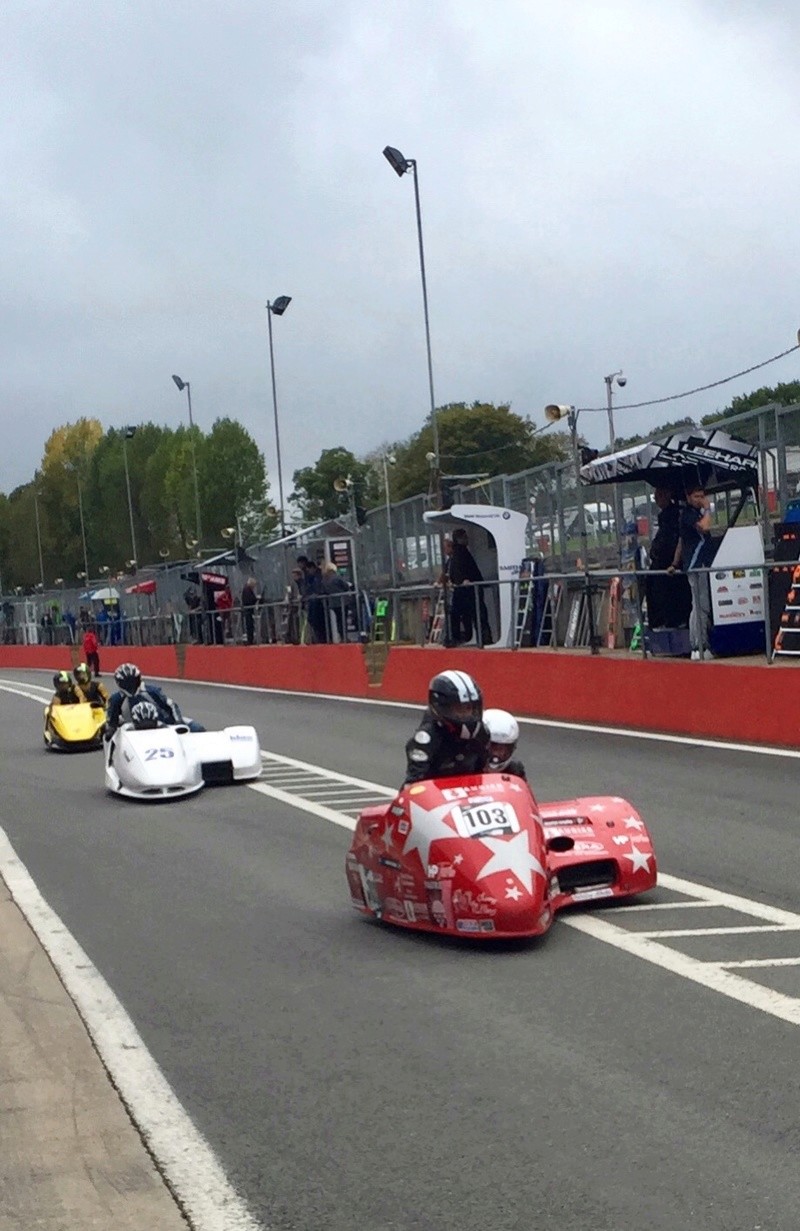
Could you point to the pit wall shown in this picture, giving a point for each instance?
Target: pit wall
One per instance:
(748, 704)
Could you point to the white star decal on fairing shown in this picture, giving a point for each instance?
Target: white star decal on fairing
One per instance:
(387, 837)
(426, 827)
(640, 860)
(597, 808)
(514, 893)
(632, 822)
(511, 855)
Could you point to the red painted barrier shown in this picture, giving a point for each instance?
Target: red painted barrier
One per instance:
(305, 668)
(749, 704)
(50, 657)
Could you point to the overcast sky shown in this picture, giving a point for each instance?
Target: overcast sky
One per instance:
(604, 183)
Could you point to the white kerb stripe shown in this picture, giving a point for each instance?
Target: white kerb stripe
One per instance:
(185, 1158)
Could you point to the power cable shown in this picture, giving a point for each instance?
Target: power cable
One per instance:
(674, 397)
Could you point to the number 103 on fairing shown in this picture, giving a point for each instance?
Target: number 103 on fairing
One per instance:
(491, 818)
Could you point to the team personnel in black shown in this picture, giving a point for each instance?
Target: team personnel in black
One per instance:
(451, 739)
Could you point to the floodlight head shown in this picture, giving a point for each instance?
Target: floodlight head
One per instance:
(58, 581)
(163, 552)
(430, 457)
(391, 459)
(280, 305)
(553, 413)
(397, 161)
(342, 485)
(180, 383)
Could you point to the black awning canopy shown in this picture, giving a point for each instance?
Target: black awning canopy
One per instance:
(695, 455)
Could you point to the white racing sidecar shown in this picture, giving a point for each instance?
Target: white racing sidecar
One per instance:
(170, 762)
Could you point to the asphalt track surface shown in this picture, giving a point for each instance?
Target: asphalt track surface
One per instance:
(349, 1075)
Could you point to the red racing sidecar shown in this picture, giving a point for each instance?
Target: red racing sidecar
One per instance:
(477, 856)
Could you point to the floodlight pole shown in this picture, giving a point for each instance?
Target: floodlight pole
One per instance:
(389, 530)
(83, 530)
(128, 486)
(572, 421)
(277, 426)
(400, 165)
(434, 422)
(612, 444)
(39, 535)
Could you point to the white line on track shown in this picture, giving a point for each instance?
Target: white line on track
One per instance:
(755, 962)
(185, 1158)
(715, 976)
(707, 974)
(685, 741)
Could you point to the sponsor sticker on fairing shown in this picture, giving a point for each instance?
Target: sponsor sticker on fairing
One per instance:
(589, 848)
(590, 895)
(474, 925)
(490, 818)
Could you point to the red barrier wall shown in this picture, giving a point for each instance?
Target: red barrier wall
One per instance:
(750, 704)
(52, 658)
(306, 668)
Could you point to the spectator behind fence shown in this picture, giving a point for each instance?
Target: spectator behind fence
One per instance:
(464, 572)
(669, 599)
(224, 601)
(249, 601)
(91, 652)
(695, 552)
(194, 603)
(315, 606)
(334, 586)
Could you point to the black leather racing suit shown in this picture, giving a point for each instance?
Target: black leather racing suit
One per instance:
(433, 752)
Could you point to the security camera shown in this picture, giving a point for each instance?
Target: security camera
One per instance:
(622, 381)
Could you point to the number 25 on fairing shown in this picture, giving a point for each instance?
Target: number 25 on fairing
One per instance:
(152, 753)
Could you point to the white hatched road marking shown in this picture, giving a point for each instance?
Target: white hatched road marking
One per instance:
(716, 976)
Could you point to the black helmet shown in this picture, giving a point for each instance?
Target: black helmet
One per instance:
(82, 673)
(144, 716)
(62, 680)
(455, 701)
(128, 678)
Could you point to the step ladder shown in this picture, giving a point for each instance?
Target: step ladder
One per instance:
(525, 590)
(578, 626)
(382, 621)
(548, 628)
(787, 638)
(437, 629)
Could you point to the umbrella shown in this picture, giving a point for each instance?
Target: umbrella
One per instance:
(107, 593)
(142, 587)
(707, 455)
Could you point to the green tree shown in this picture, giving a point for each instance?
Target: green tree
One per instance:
(675, 425)
(233, 482)
(787, 393)
(314, 493)
(483, 438)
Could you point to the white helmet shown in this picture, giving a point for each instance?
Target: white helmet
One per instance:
(503, 731)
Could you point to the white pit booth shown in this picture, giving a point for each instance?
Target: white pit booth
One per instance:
(497, 541)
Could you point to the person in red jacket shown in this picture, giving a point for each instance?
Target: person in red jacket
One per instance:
(91, 652)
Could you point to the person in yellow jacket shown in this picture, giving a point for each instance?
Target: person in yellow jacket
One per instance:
(90, 690)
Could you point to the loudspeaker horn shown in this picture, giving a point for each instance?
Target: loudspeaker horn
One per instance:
(341, 485)
(554, 413)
